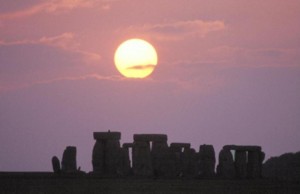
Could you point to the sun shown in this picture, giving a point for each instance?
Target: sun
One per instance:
(135, 58)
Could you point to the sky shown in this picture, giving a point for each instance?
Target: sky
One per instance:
(228, 73)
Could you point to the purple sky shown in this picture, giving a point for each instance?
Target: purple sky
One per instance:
(228, 73)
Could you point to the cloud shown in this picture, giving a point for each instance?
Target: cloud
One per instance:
(64, 5)
(177, 85)
(187, 27)
(141, 67)
(18, 42)
(13, 87)
(82, 77)
(53, 6)
(236, 56)
(180, 29)
(274, 57)
(65, 41)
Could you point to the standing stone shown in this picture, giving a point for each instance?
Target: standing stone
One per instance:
(141, 156)
(207, 161)
(98, 157)
(241, 164)
(147, 162)
(254, 164)
(179, 155)
(125, 166)
(189, 161)
(170, 169)
(127, 169)
(113, 156)
(69, 160)
(225, 167)
(254, 160)
(261, 160)
(56, 165)
(160, 156)
(107, 153)
(284, 167)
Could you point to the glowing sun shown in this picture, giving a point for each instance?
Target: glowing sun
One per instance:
(135, 58)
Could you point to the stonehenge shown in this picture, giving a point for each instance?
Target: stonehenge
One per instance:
(152, 157)
(149, 155)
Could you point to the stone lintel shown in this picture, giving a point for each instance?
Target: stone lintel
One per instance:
(112, 135)
(150, 137)
(127, 145)
(180, 145)
(242, 148)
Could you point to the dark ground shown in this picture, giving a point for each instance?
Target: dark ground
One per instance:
(38, 183)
